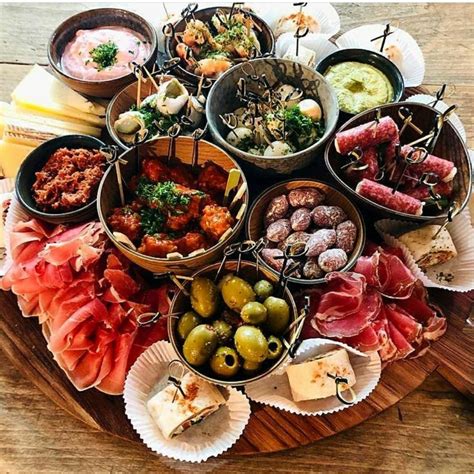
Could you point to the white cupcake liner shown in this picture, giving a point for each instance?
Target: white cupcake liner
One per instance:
(442, 107)
(275, 391)
(461, 267)
(7, 185)
(324, 13)
(212, 437)
(318, 43)
(413, 65)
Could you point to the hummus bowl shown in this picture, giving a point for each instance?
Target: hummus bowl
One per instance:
(362, 79)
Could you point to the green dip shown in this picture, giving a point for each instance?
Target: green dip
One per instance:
(359, 86)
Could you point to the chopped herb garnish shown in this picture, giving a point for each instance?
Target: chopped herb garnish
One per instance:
(161, 195)
(104, 55)
(152, 220)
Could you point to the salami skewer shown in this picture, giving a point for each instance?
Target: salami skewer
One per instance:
(366, 167)
(384, 195)
(366, 135)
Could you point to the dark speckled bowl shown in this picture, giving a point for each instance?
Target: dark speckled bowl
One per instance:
(35, 161)
(223, 99)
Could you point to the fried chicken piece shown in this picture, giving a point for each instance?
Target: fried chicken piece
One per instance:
(212, 179)
(158, 245)
(190, 242)
(155, 170)
(181, 174)
(180, 217)
(215, 221)
(126, 220)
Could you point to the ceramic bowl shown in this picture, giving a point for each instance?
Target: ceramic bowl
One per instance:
(365, 56)
(35, 161)
(223, 99)
(89, 19)
(449, 146)
(255, 229)
(264, 35)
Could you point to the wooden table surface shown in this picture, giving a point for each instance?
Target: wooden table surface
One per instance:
(430, 430)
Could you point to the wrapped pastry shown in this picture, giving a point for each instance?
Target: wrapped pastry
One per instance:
(428, 251)
(174, 413)
(315, 378)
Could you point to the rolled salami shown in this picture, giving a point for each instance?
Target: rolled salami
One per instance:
(366, 135)
(423, 193)
(386, 197)
(369, 158)
(445, 169)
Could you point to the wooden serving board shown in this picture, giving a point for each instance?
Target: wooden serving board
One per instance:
(269, 429)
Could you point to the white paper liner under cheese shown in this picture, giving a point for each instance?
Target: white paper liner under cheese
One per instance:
(275, 390)
(212, 437)
(455, 275)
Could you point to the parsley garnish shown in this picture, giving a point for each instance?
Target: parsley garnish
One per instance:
(104, 55)
(161, 195)
(152, 220)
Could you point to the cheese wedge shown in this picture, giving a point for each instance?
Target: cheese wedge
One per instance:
(39, 91)
(428, 251)
(305, 56)
(11, 157)
(42, 86)
(310, 380)
(19, 115)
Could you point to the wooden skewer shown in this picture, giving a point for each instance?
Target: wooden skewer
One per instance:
(240, 192)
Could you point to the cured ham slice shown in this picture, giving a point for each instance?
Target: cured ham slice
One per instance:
(406, 324)
(404, 348)
(367, 340)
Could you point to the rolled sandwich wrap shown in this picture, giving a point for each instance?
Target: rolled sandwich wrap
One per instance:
(310, 380)
(201, 399)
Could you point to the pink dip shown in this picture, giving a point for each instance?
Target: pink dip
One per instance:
(77, 62)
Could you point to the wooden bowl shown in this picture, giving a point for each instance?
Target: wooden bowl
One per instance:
(254, 227)
(248, 271)
(89, 19)
(223, 99)
(127, 97)
(265, 37)
(372, 58)
(108, 198)
(35, 161)
(449, 146)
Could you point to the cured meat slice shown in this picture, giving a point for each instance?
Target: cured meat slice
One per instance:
(366, 341)
(385, 196)
(405, 324)
(387, 348)
(435, 328)
(417, 304)
(355, 322)
(403, 346)
(422, 192)
(445, 169)
(370, 160)
(366, 135)
(343, 296)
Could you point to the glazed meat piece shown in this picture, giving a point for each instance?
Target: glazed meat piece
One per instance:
(215, 221)
(127, 221)
(180, 216)
(158, 245)
(180, 174)
(191, 242)
(155, 170)
(212, 179)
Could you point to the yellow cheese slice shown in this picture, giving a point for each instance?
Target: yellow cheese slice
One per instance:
(11, 157)
(43, 88)
(10, 112)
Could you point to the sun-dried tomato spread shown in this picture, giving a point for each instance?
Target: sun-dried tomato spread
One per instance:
(69, 179)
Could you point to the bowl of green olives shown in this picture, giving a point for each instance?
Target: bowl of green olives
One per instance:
(234, 329)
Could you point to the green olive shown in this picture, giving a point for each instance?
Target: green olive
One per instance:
(251, 343)
(187, 322)
(275, 347)
(223, 280)
(263, 289)
(278, 315)
(204, 297)
(250, 366)
(254, 313)
(225, 362)
(237, 292)
(200, 344)
(224, 330)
